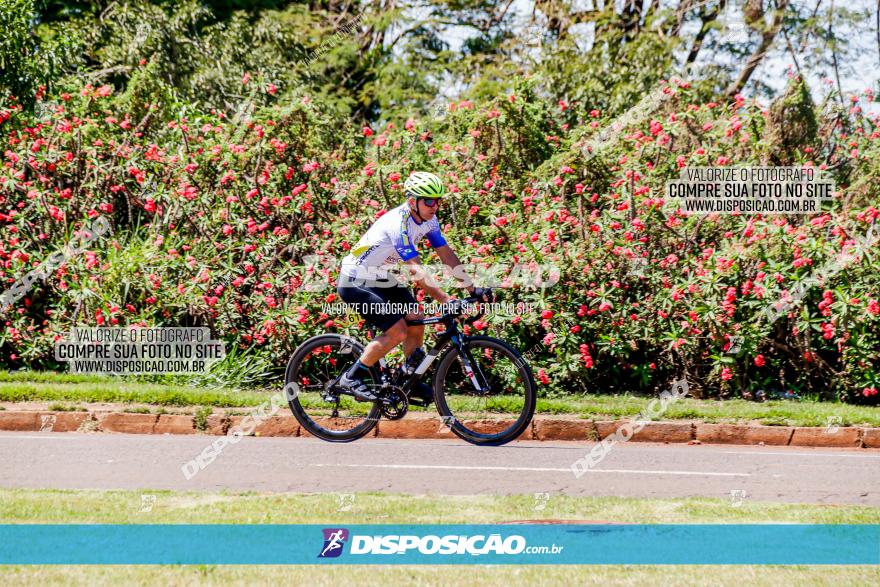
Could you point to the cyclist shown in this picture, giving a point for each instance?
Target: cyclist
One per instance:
(365, 284)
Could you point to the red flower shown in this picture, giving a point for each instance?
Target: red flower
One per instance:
(827, 330)
(542, 377)
(585, 356)
(368, 132)
(759, 361)
(56, 213)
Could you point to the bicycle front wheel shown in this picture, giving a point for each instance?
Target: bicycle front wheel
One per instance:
(494, 404)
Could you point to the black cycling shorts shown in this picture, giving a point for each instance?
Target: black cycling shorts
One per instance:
(381, 307)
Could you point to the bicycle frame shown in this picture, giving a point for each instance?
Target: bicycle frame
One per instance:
(451, 335)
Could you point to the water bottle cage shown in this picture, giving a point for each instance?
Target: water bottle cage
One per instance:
(414, 361)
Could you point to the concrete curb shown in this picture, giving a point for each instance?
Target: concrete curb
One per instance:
(541, 428)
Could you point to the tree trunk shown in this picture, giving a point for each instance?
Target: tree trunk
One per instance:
(680, 12)
(708, 19)
(767, 38)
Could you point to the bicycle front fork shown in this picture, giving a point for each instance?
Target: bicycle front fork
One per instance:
(470, 369)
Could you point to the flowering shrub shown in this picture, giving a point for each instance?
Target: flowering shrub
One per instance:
(212, 217)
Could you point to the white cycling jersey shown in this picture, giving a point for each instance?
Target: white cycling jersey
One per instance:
(390, 240)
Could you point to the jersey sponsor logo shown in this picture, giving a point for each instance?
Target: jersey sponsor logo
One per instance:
(404, 234)
(359, 249)
(366, 254)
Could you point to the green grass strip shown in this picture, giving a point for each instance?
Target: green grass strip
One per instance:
(172, 507)
(55, 387)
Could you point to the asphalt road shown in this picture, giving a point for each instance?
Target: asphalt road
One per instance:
(120, 461)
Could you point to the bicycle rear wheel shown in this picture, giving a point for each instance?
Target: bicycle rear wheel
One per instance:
(503, 410)
(323, 413)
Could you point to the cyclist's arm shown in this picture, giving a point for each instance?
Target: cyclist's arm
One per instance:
(451, 260)
(423, 280)
(409, 255)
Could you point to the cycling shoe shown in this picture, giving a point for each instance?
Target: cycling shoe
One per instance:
(357, 388)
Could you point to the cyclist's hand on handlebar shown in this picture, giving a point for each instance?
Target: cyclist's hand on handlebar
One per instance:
(484, 294)
(458, 307)
(448, 299)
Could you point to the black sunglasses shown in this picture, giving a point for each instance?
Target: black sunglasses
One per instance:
(429, 202)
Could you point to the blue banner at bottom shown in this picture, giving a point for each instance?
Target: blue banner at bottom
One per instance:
(566, 544)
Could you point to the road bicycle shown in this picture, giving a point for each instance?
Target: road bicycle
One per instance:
(483, 387)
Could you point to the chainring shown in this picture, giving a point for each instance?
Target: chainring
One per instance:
(394, 404)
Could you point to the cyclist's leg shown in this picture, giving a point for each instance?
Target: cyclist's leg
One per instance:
(372, 302)
(412, 345)
(402, 297)
(415, 334)
(353, 379)
(412, 349)
(384, 343)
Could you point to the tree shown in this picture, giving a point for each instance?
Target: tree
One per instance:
(19, 66)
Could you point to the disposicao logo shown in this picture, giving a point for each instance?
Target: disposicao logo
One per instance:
(443, 545)
(478, 545)
(334, 540)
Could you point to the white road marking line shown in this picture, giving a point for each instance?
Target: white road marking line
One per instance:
(802, 454)
(537, 469)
